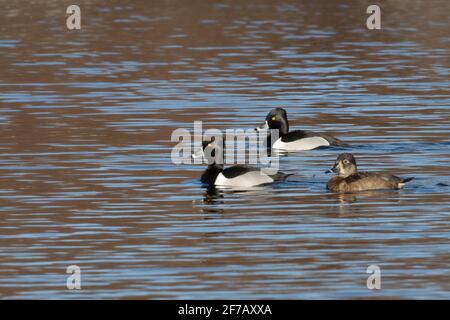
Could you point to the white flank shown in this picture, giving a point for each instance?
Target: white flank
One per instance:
(249, 179)
(302, 144)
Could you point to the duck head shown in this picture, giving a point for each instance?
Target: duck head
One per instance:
(276, 119)
(345, 165)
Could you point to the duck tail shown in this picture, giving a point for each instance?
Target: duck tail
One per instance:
(407, 180)
(402, 183)
(339, 143)
(280, 176)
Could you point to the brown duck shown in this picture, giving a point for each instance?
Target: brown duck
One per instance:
(348, 179)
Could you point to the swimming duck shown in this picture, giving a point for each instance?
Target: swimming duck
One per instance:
(348, 179)
(297, 140)
(235, 176)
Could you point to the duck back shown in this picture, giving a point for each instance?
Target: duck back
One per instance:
(365, 181)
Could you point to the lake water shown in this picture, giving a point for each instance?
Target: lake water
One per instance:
(86, 176)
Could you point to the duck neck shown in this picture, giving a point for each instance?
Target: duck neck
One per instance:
(284, 127)
(215, 166)
(347, 174)
(211, 173)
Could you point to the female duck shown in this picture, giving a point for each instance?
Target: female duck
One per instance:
(236, 176)
(348, 179)
(297, 140)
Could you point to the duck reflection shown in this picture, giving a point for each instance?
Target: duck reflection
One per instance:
(214, 196)
(357, 203)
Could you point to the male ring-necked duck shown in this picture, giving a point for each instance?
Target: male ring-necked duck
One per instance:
(297, 140)
(235, 176)
(348, 179)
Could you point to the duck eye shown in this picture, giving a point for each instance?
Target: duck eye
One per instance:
(274, 117)
(346, 162)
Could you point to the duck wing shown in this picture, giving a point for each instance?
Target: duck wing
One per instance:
(302, 134)
(371, 175)
(235, 171)
(296, 135)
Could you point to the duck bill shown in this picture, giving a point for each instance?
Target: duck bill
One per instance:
(197, 154)
(262, 127)
(332, 170)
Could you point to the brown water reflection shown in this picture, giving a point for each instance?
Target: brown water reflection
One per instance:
(85, 170)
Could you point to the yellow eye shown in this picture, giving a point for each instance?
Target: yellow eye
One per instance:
(274, 118)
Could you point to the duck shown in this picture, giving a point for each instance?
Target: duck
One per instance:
(348, 179)
(297, 140)
(235, 176)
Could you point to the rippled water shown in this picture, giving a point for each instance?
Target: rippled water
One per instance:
(85, 170)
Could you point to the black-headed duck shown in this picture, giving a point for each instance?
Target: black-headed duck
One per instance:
(235, 176)
(297, 140)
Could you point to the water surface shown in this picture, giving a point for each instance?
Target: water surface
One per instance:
(86, 176)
